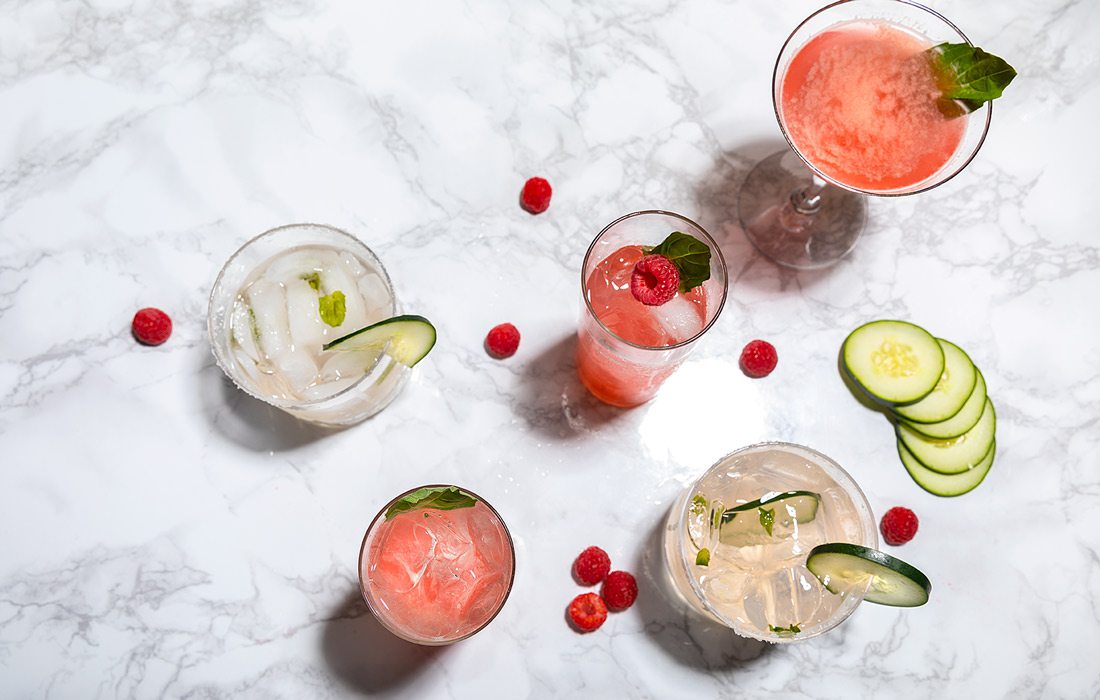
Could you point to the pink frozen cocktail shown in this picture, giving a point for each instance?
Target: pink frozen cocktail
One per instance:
(436, 565)
(861, 102)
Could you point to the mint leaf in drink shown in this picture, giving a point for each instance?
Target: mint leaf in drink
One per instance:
(793, 629)
(332, 308)
(313, 279)
(436, 497)
(767, 519)
(690, 256)
(703, 557)
(969, 76)
(698, 504)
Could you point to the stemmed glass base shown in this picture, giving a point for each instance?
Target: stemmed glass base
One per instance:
(796, 219)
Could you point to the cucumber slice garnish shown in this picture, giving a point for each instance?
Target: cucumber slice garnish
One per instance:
(954, 455)
(961, 422)
(946, 484)
(889, 581)
(407, 339)
(951, 392)
(894, 361)
(755, 522)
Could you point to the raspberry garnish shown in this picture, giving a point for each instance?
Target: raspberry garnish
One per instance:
(502, 341)
(898, 525)
(535, 197)
(655, 280)
(151, 326)
(758, 359)
(588, 612)
(591, 566)
(619, 590)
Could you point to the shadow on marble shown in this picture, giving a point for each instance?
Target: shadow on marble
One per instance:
(554, 402)
(249, 422)
(717, 198)
(364, 655)
(683, 634)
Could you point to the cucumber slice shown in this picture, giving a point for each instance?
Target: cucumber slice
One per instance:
(894, 361)
(755, 522)
(955, 455)
(945, 484)
(889, 580)
(951, 392)
(407, 339)
(964, 420)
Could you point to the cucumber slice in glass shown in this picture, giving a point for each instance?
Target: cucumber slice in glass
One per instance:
(955, 386)
(889, 580)
(946, 484)
(961, 422)
(894, 361)
(954, 455)
(407, 339)
(755, 522)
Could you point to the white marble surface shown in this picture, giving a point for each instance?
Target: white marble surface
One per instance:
(162, 535)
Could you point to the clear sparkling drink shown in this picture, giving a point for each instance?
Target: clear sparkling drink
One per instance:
(280, 299)
(736, 541)
(435, 576)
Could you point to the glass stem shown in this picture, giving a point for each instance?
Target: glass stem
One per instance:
(808, 199)
(797, 215)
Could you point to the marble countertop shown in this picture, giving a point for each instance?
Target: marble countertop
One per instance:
(163, 535)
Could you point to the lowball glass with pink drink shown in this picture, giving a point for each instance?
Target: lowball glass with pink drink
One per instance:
(878, 97)
(436, 565)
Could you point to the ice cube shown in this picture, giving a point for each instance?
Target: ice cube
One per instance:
(376, 297)
(350, 363)
(306, 327)
(352, 265)
(679, 318)
(269, 305)
(294, 264)
(244, 334)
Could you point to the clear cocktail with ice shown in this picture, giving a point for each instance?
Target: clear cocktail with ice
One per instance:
(436, 565)
(625, 348)
(737, 540)
(280, 299)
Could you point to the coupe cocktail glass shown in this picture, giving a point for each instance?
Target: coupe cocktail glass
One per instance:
(857, 100)
(625, 349)
(435, 576)
(756, 581)
(267, 332)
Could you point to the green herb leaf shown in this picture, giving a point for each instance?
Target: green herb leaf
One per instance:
(314, 280)
(703, 557)
(438, 497)
(698, 504)
(690, 256)
(332, 308)
(716, 518)
(786, 631)
(767, 519)
(970, 75)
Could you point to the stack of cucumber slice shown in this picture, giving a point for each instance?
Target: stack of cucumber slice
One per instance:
(944, 418)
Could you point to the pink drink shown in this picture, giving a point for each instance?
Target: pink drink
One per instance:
(604, 372)
(861, 103)
(437, 576)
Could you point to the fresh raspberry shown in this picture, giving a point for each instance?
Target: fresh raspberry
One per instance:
(758, 359)
(591, 566)
(151, 326)
(655, 280)
(588, 612)
(898, 526)
(619, 590)
(502, 341)
(535, 197)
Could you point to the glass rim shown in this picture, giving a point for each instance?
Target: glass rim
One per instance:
(363, 549)
(871, 531)
(987, 107)
(715, 250)
(284, 403)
